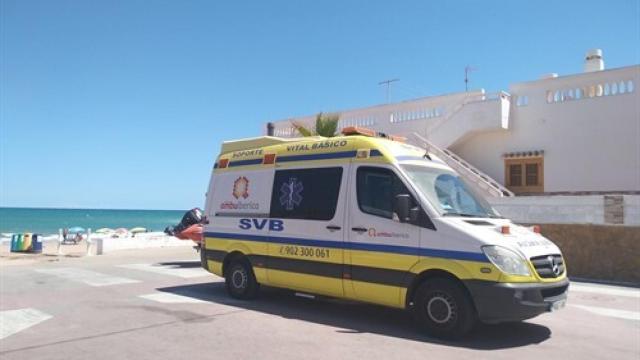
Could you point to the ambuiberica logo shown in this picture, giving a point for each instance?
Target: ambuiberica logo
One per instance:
(386, 234)
(241, 188)
(240, 191)
(291, 193)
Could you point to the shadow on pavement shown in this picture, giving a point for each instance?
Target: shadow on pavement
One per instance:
(181, 264)
(354, 318)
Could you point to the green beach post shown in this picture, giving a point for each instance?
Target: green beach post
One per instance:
(19, 243)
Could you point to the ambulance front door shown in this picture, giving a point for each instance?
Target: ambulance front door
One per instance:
(381, 249)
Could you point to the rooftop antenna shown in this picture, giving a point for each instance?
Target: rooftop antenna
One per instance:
(388, 84)
(467, 70)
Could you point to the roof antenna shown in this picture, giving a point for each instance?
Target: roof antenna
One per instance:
(467, 70)
(388, 84)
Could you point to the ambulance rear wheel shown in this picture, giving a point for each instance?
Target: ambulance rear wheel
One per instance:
(443, 309)
(240, 281)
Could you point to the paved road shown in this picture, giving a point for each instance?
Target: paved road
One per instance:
(158, 304)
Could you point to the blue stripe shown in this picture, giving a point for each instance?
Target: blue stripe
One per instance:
(396, 249)
(322, 156)
(245, 162)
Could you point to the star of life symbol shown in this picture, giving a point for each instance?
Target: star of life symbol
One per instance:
(290, 193)
(241, 188)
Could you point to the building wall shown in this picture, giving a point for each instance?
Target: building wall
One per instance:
(590, 144)
(560, 209)
(632, 210)
(588, 128)
(599, 252)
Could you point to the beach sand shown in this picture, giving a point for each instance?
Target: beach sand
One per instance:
(51, 250)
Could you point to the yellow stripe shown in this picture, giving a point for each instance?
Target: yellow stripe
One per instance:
(306, 283)
(462, 269)
(375, 293)
(357, 290)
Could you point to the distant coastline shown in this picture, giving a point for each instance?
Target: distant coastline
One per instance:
(81, 208)
(48, 220)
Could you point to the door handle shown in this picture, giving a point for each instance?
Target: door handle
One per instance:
(359, 229)
(333, 227)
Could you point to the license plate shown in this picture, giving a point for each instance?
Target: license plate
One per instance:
(557, 305)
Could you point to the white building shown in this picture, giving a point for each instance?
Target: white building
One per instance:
(570, 143)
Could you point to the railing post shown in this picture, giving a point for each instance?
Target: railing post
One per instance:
(89, 242)
(60, 240)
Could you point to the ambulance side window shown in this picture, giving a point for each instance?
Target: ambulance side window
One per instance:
(377, 187)
(309, 194)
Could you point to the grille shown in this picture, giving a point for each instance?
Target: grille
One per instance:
(544, 266)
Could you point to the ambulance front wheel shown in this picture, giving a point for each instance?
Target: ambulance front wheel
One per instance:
(442, 308)
(240, 281)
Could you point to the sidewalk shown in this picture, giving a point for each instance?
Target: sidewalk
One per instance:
(51, 250)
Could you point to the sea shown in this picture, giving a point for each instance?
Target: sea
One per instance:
(47, 221)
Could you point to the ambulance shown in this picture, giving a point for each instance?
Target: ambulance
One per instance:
(367, 217)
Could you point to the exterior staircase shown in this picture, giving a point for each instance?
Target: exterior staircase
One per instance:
(475, 114)
(476, 178)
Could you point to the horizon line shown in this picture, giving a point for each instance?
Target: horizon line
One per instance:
(83, 208)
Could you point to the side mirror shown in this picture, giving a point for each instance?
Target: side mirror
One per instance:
(401, 206)
(414, 215)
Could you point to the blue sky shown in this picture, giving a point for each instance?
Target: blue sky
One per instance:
(124, 104)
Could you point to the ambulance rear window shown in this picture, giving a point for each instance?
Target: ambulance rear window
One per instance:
(310, 194)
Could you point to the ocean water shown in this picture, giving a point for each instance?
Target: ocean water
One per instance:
(48, 221)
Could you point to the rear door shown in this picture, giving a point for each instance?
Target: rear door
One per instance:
(306, 251)
(238, 210)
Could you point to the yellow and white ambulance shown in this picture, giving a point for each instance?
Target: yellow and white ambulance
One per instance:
(370, 218)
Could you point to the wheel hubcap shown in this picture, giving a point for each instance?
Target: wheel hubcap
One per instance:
(239, 279)
(440, 309)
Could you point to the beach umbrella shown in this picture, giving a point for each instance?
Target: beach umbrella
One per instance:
(120, 232)
(76, 229)
(138, 229)
(104, 231)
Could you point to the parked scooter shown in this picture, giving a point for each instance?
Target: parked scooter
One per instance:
(189, 228)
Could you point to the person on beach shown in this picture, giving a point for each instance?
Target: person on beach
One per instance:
(78, 238)
(65, 233)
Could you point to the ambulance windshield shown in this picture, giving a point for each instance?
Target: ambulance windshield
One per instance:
(448, 193)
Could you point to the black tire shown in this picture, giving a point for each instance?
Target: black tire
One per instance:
(240, 281)
(443, 309)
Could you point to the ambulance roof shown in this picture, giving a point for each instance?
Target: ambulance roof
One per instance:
(260, 142)
(256, 151)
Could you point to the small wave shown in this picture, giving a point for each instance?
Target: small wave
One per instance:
(43, 236)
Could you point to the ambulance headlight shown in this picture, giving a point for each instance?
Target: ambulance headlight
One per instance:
(506, 260)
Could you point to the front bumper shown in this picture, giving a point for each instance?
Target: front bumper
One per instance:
(499, 302)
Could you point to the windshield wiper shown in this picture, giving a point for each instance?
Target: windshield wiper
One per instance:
(460, 214)
(473, 215)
